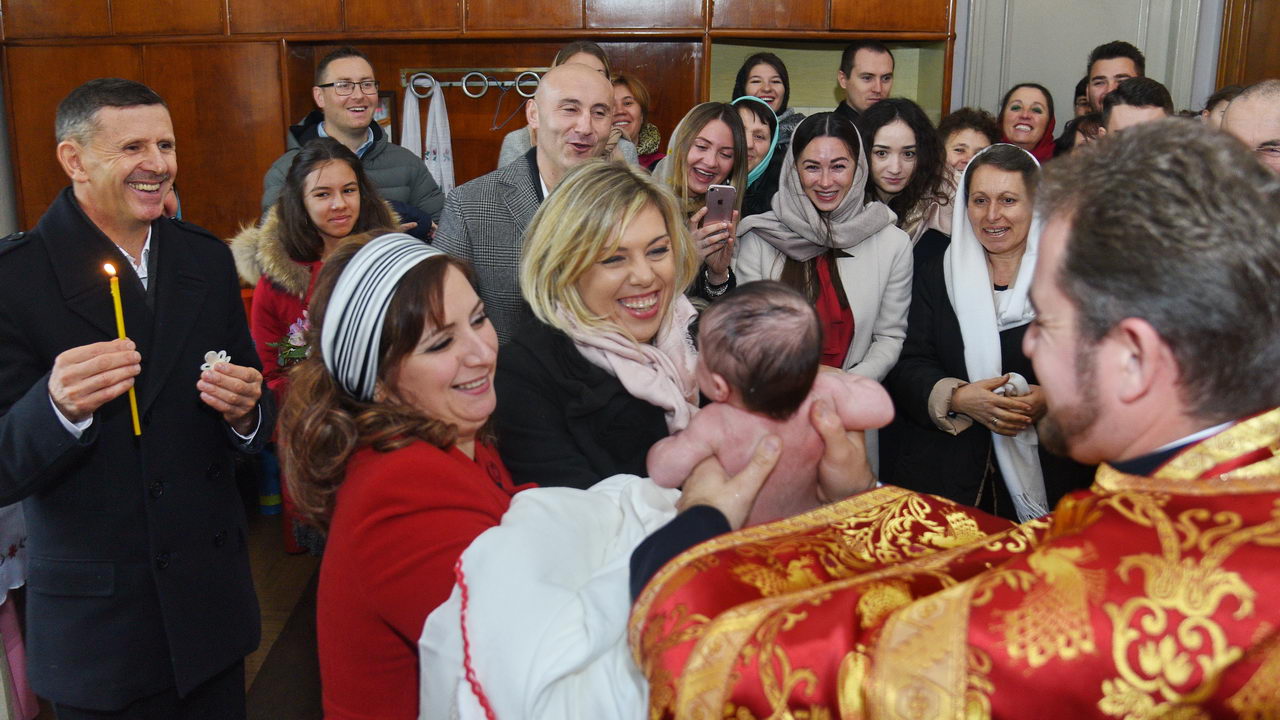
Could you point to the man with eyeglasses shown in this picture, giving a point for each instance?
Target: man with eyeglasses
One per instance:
(1254, 118)
(346, 96)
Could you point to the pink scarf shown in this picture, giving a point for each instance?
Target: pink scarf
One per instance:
(661, 373)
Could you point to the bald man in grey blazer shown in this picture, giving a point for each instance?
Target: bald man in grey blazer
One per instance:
(484, 220)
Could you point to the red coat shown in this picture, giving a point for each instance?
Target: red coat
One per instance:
(274, 310)
(282, 291)
(401, 521)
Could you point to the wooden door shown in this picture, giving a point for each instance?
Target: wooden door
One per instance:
(34, 94)
(225, 100)
(1249, 51)
(775, 15)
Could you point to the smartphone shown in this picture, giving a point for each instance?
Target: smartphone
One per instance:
(721, 200)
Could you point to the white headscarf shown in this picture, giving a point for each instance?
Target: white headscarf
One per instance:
(983, 315)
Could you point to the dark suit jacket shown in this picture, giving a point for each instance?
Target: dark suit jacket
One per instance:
(561, 420)
(483, 223)
(139, 576)
(927, 458)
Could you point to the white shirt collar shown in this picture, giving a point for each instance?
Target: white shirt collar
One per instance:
(139, 264)
(1196, 436)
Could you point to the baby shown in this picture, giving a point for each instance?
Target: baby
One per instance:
(758, 361)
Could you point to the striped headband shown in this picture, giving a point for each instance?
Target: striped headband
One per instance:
(358, 308)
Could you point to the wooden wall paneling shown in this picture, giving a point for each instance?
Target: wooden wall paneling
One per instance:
(404, 15)
(631, 14)
(257, 16)
(168, 17)
(1249, 51)
(780, 15)
(225, 102)
(669, 68)
(512, 15)
(34, 94)
(671, 71)
(56, 18)
(300, 70)
(901, 15)
(1235, 26)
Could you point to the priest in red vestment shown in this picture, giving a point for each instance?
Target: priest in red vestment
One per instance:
(1152, 594)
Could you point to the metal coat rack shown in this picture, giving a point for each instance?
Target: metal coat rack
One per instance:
(475, 82)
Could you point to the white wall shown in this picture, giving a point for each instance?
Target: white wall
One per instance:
(1048, 41)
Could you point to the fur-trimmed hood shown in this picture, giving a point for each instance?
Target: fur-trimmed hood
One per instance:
(258, 251)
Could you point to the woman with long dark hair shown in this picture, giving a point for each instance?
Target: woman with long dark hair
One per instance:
(326, 197)
(907, 172)
(841, 251)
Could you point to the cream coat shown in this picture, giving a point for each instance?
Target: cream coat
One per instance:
(876, 274)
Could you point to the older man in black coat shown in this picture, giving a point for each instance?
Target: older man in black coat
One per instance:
(140, 600)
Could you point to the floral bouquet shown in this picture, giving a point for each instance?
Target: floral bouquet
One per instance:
(293, 347)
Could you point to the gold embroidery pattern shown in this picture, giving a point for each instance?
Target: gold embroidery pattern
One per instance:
(880, 599)
(1053, 619)
(854, 670)
(1186, 468)
(902, 529)
(665, 580)
(770, 581)
(898, 529)
(1167, 647)
(922, 654)
(661, 634)
(1256, 432)
(778, 679)
(978, 688)
(1259, 698)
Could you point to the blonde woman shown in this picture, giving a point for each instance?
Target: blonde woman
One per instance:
(607, 367)
(709, 147)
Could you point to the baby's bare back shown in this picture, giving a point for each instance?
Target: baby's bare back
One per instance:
(792, 487)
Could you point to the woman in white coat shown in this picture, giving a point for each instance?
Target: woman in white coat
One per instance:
(841, 252)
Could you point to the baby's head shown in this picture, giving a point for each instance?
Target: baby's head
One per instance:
(759, 348)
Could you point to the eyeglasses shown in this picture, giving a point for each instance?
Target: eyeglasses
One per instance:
(345, 87)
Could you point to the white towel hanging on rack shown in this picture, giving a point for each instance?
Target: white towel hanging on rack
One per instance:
(410, 123)
(438, 152)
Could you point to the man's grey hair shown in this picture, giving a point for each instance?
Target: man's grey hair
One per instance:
(76, 117)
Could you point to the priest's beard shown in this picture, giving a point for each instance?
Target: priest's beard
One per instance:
(1065, 423)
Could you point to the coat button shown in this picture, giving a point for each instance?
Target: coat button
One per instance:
(162, 560)
(157, 488)
(220, 538)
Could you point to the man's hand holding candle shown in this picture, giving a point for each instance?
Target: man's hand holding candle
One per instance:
(87, 377)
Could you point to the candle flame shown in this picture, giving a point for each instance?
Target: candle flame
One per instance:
(111, 269)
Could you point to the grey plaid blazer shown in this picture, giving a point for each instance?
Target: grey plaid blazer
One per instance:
(483, 223)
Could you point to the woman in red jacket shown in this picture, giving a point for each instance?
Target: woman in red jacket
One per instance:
(326, 197)
(388, 448)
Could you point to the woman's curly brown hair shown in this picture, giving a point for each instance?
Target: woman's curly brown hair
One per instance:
(321, 425)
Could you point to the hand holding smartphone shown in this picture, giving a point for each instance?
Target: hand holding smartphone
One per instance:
(721, 199)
